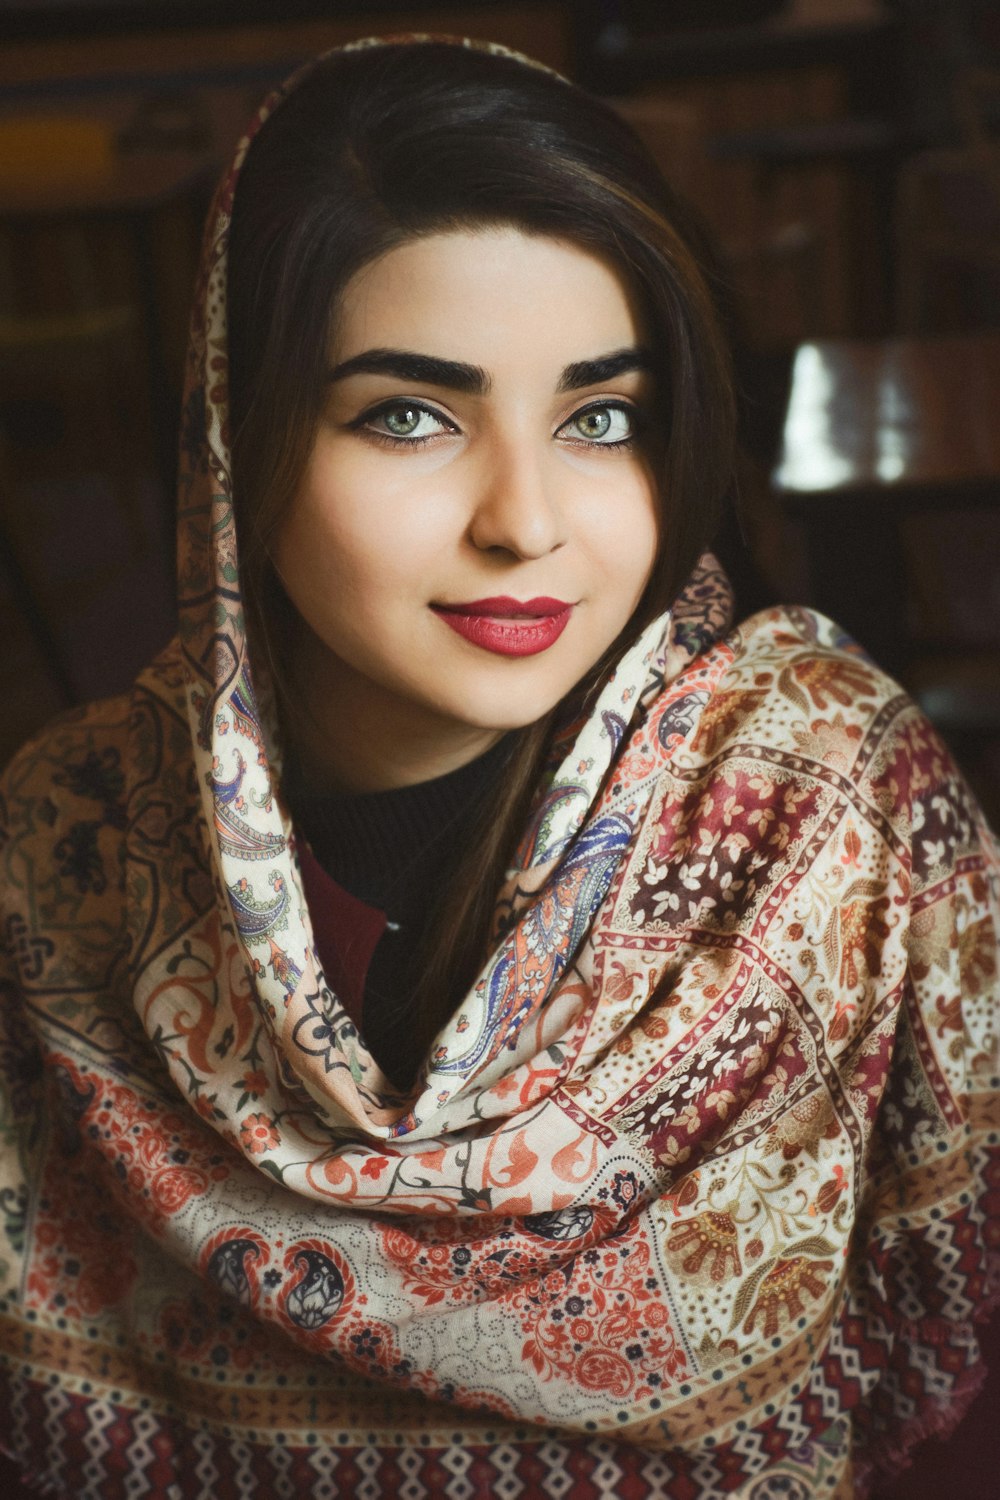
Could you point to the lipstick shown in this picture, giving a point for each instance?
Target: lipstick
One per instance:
(506, 626)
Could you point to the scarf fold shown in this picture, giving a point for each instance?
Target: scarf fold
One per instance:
(700, 1182)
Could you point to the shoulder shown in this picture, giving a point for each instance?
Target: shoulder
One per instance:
(787, 703)
(796, 686)
(68, 797)
(797, 664)
(79, 759)
(74, 764)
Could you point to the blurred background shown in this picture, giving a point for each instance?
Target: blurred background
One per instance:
(843, 155)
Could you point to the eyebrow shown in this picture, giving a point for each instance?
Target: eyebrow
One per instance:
(426, 369)
(472, 380)
(605, 367)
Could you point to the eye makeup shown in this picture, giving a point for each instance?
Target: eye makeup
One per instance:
(415, 414)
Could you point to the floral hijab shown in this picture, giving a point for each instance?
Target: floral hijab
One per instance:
(697, 1183)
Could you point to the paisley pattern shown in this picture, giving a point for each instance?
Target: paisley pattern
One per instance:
(699, 1192)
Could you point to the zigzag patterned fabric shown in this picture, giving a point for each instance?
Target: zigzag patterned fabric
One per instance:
(699, 1191)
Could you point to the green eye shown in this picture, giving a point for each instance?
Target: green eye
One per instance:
(607, 426)
(594, 424)
(401, 421)
(404, 422)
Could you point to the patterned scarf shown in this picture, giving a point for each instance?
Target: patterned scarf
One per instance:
(694, 1197)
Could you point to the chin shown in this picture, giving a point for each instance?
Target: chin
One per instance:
(511, 709)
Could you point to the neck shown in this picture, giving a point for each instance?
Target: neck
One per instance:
(349, 735)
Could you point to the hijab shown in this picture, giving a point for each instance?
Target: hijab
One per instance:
(695, 1188)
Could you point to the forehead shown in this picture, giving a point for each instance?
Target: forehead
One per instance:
(488, 296)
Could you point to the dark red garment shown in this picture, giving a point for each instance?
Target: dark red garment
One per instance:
(966, 1464)
(345, 929)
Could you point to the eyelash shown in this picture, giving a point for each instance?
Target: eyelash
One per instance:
(391, 440)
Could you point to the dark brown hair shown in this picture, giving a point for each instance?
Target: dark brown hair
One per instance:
(380, 145)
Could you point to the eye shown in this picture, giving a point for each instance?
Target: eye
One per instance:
(609, 424)
(404, 422)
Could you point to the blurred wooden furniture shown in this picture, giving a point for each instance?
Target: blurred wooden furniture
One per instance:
(977, 102)
(87, 400)
(862, 152)
(751, 253)
(948, 240)
(901, 418)
(672, 134)
(948, 199)
(66, 209)
(877, 436)
(25, 597)
(617, 56)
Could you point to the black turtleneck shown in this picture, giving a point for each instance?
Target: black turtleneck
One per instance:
(395, 851)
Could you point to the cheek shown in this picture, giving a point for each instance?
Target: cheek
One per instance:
(330, 537)
(363, 519)
(625, 536)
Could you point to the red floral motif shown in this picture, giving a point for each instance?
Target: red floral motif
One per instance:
(76, 1252)
(722, 716)
(254, 1082)
(977, 955)
(863, 931)
(594, 1317)
(451, 1267)
(604, 1370)
(781, 1292)
(840, 1026)
(684, 1194)
(833, 679)
(603, 1324)
(851, 856)
(258, 1133)
(196, 1332)
(158, 1158)
(707, 1234)
(950, 1011)
(440, 1262)
(829, 1193)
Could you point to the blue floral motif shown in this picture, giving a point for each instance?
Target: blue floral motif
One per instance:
(555, 925)
(614, 726)
(255, 918)
(593, 860)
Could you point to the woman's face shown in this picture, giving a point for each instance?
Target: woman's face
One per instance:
(478, 517)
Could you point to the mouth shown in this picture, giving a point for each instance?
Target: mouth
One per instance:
(506, 626)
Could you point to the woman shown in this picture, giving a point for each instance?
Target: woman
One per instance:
(330, 1170)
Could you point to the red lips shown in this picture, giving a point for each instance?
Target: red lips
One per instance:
(506, 626)
(503, 606)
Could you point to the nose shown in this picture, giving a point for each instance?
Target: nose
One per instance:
(517, 507)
